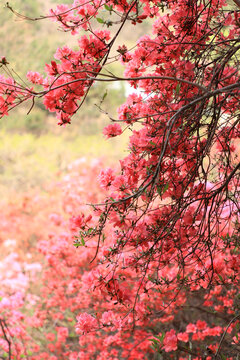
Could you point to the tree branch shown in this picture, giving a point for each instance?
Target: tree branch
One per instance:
(237, 2)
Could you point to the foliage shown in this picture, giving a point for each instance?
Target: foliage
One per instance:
(152, 271)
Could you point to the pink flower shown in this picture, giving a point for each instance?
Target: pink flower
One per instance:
(201, 325)
(62, 333)
(107, 318)
(170, 341)
(77, 222)
(74, 356)
(183, 337)
(120, 183)
(106, 178)
(191, 328)
(85, 323)
(112, 130)
(35, 77)
(50, 336)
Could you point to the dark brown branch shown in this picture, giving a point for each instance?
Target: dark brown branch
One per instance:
(224, 334)
(4, 327)
(237, 2)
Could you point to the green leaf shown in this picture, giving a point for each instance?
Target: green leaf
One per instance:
(152, 347)
(79, 242)
(76, 244)
(90, 231)
(101, 21)
(162, 189)
(152, 143)
(178, 88)
(162, 336)
(154, 341)
(108, 8)
(82, 241)
(166, 186)
(104, 95)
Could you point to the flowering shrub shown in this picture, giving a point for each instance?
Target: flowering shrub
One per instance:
(67, 316)
(153, 269)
